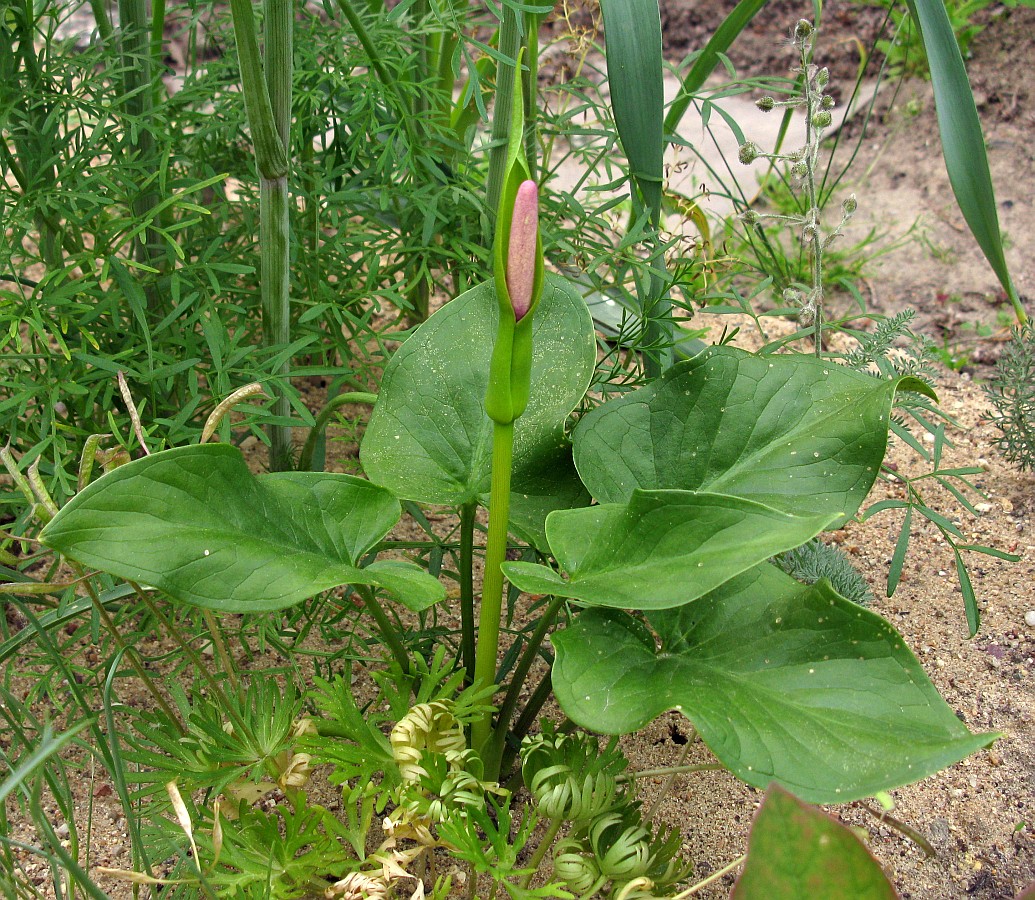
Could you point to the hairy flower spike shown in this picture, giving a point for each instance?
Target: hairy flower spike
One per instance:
(765, 103)
(521, 250)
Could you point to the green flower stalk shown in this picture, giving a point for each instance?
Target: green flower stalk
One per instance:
(518, 264)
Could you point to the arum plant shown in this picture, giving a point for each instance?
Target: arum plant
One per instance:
(519, 286)
(649, 523)
(699, 479)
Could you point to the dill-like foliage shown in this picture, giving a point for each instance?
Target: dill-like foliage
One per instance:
(815, 560)
(1012, 393)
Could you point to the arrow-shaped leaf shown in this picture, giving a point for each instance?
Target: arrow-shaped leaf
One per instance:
(783, 682)
(661, 549)
(197, 524)
(792, 432)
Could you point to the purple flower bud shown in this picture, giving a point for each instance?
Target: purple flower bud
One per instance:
(521, 251)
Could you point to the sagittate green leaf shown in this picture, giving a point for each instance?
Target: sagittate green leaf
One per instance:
(661, 549)
(783, 682)
(792, 432)
(429, 438)
(195, 523)
(798, 851)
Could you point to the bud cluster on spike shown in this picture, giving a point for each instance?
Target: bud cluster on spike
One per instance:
(521, 249)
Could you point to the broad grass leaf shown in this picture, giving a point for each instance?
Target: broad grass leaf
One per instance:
(635, 64)
(783, 682)
(197, 524)
(963, 143)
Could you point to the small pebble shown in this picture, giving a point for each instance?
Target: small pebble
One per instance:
(940, 830)
(1029, 618)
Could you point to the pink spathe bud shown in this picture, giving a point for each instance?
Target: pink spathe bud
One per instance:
(521, 251)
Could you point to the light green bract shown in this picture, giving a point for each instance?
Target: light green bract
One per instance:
(429, 437)
(783, 682)
(195, 523)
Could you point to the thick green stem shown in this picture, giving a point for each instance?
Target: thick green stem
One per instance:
(274, 238)
(467, 630)
(270, 151)
(279, 66)
(100, 18)
(492, 584)
(267, 101)
(275, 274)
(157, 31)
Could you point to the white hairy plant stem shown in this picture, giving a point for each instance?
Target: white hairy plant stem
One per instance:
(813, 100)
